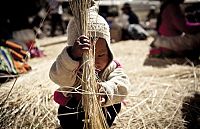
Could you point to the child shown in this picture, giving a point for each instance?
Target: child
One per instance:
(66, 71)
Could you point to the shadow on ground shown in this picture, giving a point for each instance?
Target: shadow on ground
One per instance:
(191, 111)
(164, 62)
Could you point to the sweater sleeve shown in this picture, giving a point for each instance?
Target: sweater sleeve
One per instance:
(116, 86)
(64, 70)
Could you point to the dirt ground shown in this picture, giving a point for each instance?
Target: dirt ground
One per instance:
(145, 105)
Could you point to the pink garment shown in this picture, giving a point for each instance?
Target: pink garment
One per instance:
(34, 50)
(173, 22)
(60, 98)
(193, 24)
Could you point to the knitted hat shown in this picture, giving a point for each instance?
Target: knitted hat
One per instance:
(97, 27)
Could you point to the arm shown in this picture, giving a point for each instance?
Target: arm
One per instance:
(116, 86)
(64, 70)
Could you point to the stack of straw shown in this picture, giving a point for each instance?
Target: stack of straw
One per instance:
(94, 117)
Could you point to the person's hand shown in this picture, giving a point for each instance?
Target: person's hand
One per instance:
(102, 100)
(103, 96)
(80, 45)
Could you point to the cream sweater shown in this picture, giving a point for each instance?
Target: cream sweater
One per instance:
(64, 73)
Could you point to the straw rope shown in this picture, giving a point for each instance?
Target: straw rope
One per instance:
(94, 117)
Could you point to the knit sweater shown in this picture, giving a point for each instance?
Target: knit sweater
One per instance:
(64, 73)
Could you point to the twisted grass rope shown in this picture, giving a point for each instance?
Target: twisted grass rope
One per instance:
(94, 117)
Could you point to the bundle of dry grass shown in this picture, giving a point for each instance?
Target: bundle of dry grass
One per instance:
(29, 104)
(165, 98)
(94, 117)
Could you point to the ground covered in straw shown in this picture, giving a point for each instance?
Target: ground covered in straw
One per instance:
(162, 95)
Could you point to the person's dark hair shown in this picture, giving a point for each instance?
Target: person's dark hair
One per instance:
(126, 6)
(172, 1)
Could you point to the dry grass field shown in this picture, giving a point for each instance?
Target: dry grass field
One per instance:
(160, 97)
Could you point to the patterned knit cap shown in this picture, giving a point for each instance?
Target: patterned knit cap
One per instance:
(97, 27)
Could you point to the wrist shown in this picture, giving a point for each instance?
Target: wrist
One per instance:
(73, 56)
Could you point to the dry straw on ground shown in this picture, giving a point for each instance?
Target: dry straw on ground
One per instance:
(158, 97)
(155, 101)
(29, 104)
(158, 100)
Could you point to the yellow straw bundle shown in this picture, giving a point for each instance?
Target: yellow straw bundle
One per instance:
(94, 117)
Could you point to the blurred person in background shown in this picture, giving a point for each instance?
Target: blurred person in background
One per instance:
(132, 28)
(57, 22)
(172, 20)
(175, 37)
(132, 17)
(151, 18)
(152, 13)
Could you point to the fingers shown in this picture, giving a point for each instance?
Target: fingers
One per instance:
(84, 39)
(103, 100)
(103, 96)
(81, 45)
(83, 42)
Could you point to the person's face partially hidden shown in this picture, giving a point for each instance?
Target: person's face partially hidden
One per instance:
(101, 54)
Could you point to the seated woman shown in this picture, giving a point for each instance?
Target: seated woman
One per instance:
(129, 23)
(175, 36)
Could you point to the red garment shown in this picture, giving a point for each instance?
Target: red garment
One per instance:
(173, 22)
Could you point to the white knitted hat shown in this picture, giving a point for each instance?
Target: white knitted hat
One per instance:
(97, 27)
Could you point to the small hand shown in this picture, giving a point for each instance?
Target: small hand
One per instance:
(103, 96)
(80, 45)
(102, 100)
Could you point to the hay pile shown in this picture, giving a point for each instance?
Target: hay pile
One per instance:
(160, 98)
(29, 104)
(156, 100)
